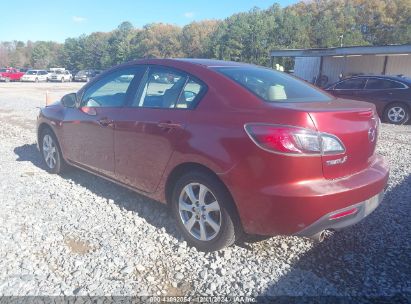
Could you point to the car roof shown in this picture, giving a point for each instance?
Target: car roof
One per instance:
(212, 62)
(388, 77)
(207, 63)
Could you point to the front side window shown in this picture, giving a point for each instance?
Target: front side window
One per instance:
(273, 86)
(112, 90)
(382, 84)
(351, 84)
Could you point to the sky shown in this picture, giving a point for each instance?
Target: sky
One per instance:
(57, 20)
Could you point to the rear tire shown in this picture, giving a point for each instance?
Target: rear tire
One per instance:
(51, 152)
(203, 210)
(7, 79)
(396, 113)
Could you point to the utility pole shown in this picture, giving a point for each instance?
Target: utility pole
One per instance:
(341, 40)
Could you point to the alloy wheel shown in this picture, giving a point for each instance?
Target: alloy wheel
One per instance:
(199, 211)
(396, 114)
(49, 151)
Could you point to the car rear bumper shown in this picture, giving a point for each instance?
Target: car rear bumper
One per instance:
(343, 218)
(301, 207)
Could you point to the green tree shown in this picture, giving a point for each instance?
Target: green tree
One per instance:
(196, 38)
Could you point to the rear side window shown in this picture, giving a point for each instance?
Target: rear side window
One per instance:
(162, 87)
(351, 84)
(382, 84)
(273, 86)
(192, 91)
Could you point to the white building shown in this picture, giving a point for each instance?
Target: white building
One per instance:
(325, 66)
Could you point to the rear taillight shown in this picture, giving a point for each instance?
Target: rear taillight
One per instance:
(293, 140)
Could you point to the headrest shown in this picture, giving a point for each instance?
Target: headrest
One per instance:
(276, 92)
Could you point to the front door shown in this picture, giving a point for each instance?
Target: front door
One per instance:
(88, 131)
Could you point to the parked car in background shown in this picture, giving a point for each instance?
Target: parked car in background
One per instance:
(35, 76)
(390, 94)
(232, 148)
(60, 76)
(86, 75)
(10, 74)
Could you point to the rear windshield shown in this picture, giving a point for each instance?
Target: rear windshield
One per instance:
(273, 86)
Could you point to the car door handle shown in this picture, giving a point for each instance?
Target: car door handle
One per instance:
(167, 125)
(105, 122)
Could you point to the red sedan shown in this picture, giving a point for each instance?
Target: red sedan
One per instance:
(233, 148)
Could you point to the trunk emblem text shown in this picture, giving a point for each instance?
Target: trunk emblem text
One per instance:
(337, 161)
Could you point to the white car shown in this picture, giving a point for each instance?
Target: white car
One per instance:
(61, 76)
(35, 76)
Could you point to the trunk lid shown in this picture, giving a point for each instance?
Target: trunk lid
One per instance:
(355, 123)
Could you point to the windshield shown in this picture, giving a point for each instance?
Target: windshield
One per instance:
(31, 73)
(3, 70)
(273, 86)
(81, 73)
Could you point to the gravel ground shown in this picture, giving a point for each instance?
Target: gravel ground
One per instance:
(78, 234)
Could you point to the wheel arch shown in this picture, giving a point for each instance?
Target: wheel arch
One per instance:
(43, 126)
(183, 168)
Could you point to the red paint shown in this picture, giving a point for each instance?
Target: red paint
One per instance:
(11, 74)
(274, 193)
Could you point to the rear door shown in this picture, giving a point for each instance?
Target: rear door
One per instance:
(150, 129)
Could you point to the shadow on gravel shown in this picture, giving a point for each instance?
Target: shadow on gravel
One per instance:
(152, 211)
(372, 258)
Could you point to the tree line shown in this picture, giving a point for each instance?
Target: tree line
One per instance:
(247, 36)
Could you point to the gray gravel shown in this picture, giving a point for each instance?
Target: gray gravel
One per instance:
(78, 234)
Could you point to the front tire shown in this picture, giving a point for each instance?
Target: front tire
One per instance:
(203, 209)
(51, 153)
(396, 113)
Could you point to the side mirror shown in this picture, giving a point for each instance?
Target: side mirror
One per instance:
(69, 100)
